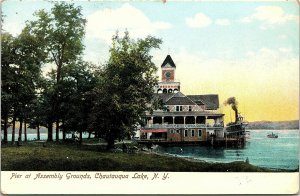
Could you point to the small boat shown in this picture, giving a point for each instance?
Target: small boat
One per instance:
(272, 135)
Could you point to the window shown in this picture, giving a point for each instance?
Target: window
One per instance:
(177, 131)
(171, 131)
(199, 133)
(193, 133)
(178, 108)
(185, 133)
(190, 108)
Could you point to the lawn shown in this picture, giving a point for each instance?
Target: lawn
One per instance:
(71, 157)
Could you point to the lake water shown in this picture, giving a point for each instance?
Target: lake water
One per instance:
(31, 134)
(282, 152)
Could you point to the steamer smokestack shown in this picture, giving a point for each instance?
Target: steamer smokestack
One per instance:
(234, 105)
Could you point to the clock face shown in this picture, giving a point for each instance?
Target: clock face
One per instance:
(168, 75)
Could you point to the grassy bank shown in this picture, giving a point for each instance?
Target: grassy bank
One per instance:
(70, 157)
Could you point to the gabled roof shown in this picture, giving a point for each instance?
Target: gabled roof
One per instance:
(180, 101)
(178, 94)
(163, 96)
(210, 101)
(168, 60)
(174, 98)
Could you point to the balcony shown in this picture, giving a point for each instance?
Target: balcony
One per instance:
(178, 126)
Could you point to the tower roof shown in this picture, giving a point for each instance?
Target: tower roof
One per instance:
(168, 60)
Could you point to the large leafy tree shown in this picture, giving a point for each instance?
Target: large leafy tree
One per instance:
(61, 31)
(126, 87)
(22, 57)
(7, 79)
(79, 82)
(30, 55)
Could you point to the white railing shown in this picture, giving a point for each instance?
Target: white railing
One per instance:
(158, 126)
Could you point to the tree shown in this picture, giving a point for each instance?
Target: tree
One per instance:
(36, 115)
(61, 32)
(126, 87)
(7, 79)
(29, 56)
(78, 83)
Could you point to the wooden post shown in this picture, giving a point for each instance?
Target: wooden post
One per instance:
(225, 140)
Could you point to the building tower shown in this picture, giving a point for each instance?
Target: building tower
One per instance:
(168, 83)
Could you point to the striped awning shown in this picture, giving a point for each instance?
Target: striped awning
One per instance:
(154, 130)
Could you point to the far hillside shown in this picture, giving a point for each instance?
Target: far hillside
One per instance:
(294, 124)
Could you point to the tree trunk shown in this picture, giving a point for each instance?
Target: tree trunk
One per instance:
(63, 130)
(20, 130)
(57, 130)
(25, 130)
(38, 132)
(56, 104)
(90, 133)
(80, 137)
(50, 133)
(5, 128)
(110, 142)
(13, 130)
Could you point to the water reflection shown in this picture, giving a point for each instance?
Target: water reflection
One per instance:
(259, 150)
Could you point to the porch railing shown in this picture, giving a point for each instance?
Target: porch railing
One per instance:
(174, 126)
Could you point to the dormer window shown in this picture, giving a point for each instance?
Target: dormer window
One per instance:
(190, 108)
(178, 108)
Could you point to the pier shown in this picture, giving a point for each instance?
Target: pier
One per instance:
(211, 142)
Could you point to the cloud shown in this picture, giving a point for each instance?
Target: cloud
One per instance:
(269, 15)
(14, 28)
(270, 60)
(104, 23)
(198, 21)
(272, 15)
(285, 50)
(223, 22)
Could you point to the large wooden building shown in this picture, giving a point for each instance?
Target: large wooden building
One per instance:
(184, 118)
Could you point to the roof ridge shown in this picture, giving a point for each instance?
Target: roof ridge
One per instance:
(171, 96)
(183, 96)
(193, 101)
(202, 94)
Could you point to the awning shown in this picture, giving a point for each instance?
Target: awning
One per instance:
(154, 130)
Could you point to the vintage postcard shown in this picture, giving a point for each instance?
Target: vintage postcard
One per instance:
(149, 97)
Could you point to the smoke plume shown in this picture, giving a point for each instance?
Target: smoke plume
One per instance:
(234, 105)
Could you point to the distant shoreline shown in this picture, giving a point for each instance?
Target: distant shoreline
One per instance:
(274, 125)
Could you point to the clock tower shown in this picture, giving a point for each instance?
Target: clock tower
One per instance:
(168, 83)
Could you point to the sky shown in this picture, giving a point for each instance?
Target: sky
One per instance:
(249, 49)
